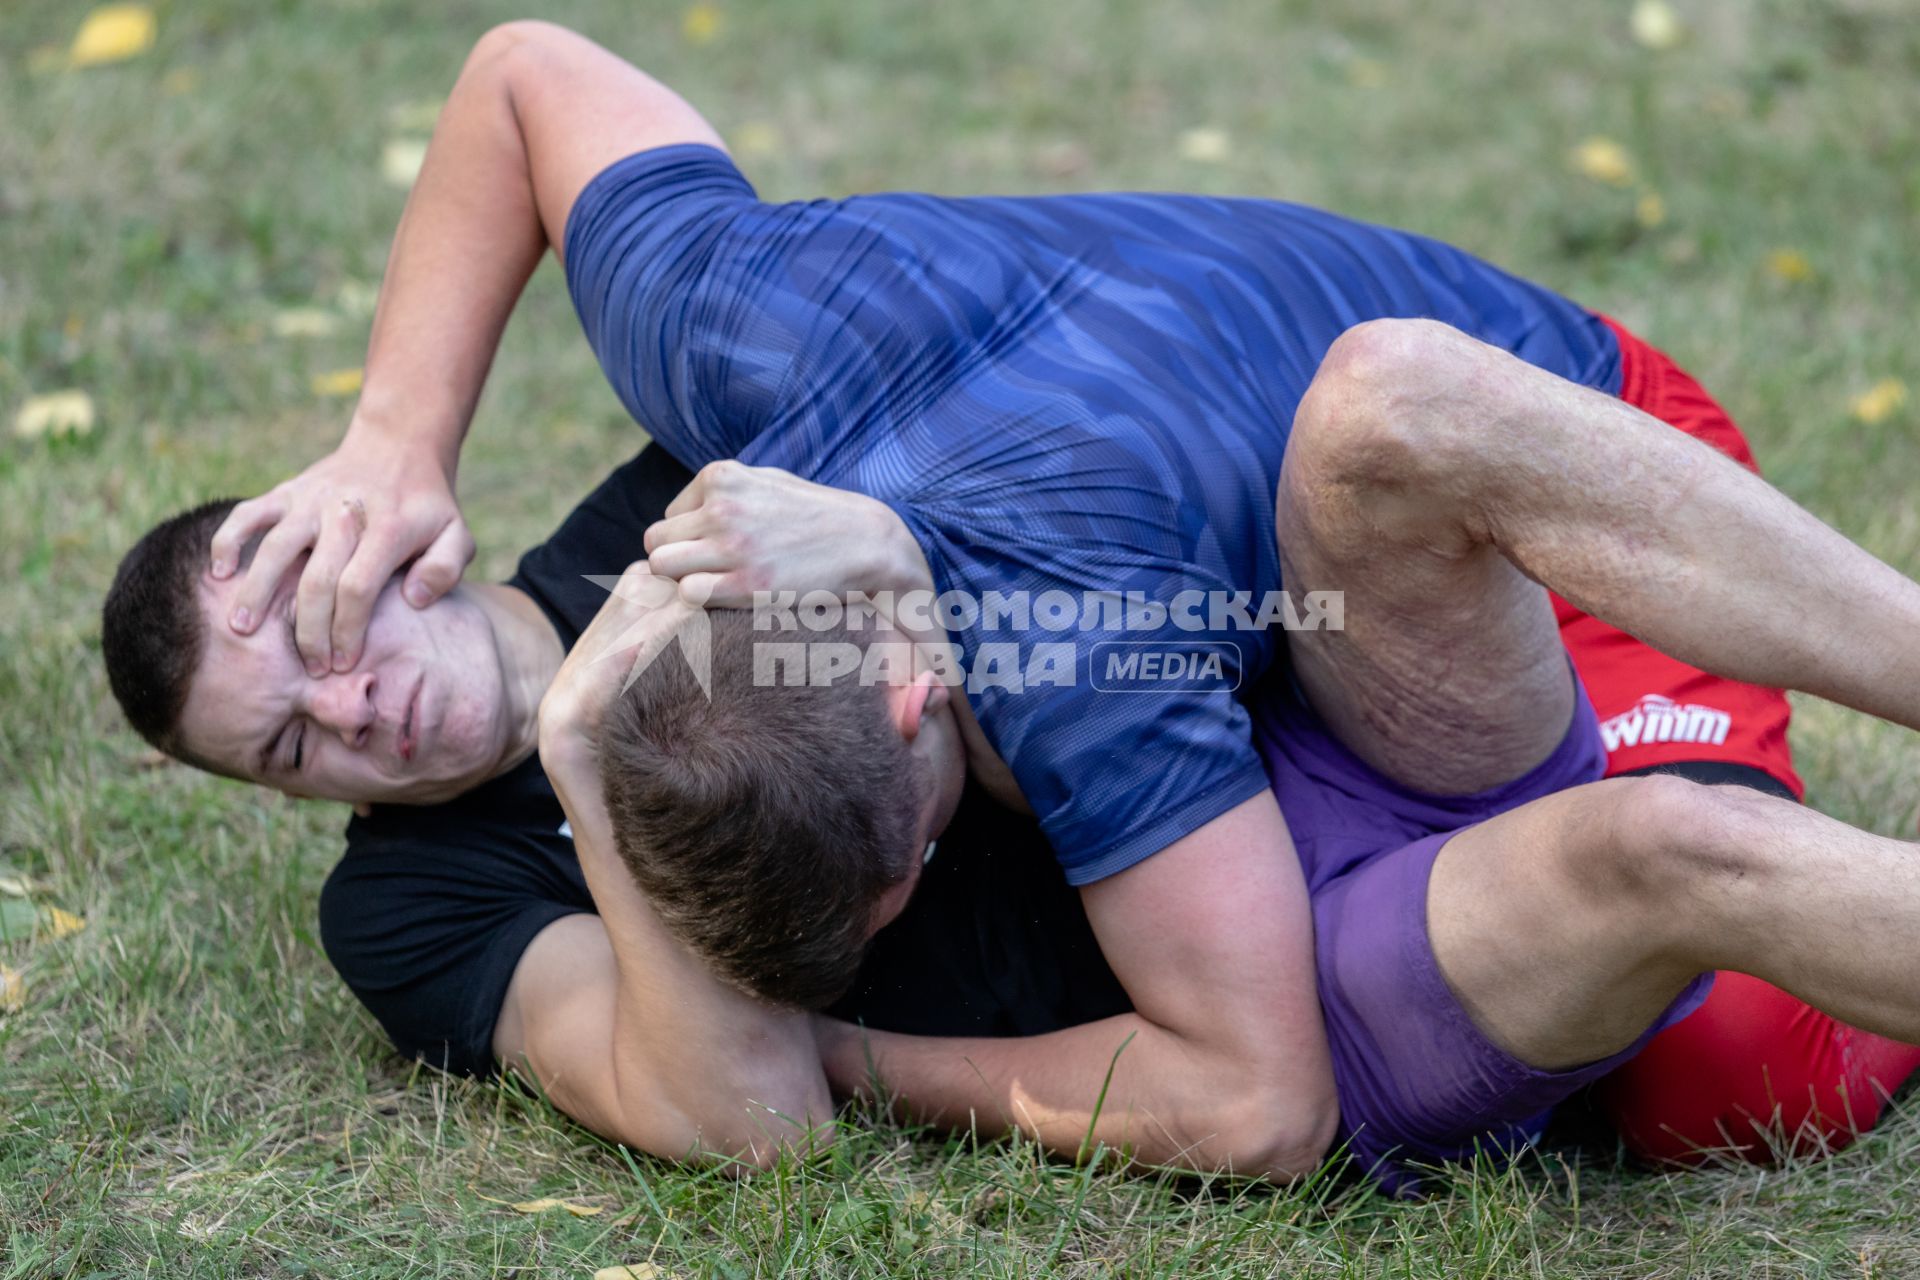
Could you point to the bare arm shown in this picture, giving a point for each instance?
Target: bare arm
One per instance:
(625, 1028)
(1223, 1064)
(536, 113)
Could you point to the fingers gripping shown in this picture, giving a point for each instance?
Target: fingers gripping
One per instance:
(245, 522)
(282, 545)
(315, 604)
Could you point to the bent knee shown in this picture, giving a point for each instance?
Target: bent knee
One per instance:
(1661, 840)
(1392, 411)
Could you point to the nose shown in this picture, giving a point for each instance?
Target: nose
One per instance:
(344, 705)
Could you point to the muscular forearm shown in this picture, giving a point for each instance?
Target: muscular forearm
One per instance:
(468, 240)
(1123, 1084)
(690, 1066)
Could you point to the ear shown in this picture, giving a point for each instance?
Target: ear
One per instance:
(363, 810)
(912, 706)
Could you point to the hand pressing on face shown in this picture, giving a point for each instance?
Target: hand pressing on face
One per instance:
(364, 511)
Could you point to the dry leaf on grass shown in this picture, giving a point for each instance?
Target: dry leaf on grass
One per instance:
(1881, 401)
(1789, 265)
(1655, 25)
(340, 382)
(13, 990)
(112, 33)
(702, 24)
(1603, 160)
(60, 924)
(545, 1203)
(1208, 146)
(631, 1271)
(55, 414)
(400, 161)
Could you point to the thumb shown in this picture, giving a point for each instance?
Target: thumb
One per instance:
(440, 566)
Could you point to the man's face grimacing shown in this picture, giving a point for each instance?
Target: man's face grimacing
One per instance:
(421, 718)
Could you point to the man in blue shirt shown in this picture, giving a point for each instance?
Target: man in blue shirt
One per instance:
(1071, 393)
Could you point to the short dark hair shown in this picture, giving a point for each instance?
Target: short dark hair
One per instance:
(151, 630)
(765, 823)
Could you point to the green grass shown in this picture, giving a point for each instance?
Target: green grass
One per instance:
(189, 1091)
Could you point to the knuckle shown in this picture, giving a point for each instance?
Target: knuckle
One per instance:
(358, 581)
(316, 585)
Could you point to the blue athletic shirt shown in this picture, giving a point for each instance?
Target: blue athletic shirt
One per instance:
(1086, 393)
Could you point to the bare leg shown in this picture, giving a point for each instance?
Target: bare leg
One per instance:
(1569, 924)
(1431, 477)
(1438, 483)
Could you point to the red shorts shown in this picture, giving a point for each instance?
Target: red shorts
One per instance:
(1754, 1072)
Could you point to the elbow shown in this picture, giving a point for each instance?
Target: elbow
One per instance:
(1277, 1134)
(743, 1143)
(756, 1133)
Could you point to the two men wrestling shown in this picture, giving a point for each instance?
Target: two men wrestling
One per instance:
(1366, 890)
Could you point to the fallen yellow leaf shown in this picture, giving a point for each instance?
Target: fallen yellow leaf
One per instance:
(756, 138)
(1881, 401)
(1790, 265)
(1366, 73)
(60, 924)
(1206, 145)
(1655, 25)
(112, 33)
(13, 990)
(304, 322)
(1603, 160)
(546, 1203)
(630, 1271)
(341, 382)
(400, 161)
(1650, 209)
(702, 23)
(56, 414)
